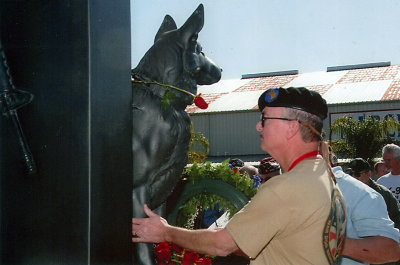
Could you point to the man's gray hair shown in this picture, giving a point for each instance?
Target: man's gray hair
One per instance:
(392, 148)
(306, 133)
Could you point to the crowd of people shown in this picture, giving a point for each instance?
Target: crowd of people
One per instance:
(308, 209)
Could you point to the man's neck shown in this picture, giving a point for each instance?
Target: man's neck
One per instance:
(292, 154)
(395, 172)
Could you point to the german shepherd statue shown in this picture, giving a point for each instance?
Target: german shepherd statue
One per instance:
(161, 132)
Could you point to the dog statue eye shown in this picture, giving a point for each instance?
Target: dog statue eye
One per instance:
(199, 49)
(194, 38)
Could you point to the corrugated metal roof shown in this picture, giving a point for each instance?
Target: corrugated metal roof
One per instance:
(347, 86)
(356, 92)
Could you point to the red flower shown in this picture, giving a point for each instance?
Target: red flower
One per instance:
(176, 248)
(190, 258)
(162, 245)
(171, 254)
(200, 102)
(163, 252)
(204, 261)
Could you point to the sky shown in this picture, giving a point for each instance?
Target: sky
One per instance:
(261, 36)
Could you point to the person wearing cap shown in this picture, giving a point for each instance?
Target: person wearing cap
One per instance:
(362, 172)
(236, 164)
(297, 217)
(268, 169)
(380, 169)
(391, 158)
(370, 234)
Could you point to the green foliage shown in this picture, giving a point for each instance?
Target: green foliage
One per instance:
(190, 209)
(199, 147)
(167, 98)
(363, 139)
(223, 172)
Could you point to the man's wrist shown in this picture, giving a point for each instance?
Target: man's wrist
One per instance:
(167, 233)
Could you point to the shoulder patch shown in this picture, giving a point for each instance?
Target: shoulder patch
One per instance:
(335, 227)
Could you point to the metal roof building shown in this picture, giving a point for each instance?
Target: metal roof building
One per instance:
(355, 90)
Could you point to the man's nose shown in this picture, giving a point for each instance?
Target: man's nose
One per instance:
(258, 126)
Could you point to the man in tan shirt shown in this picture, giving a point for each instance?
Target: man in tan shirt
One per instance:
(295, 218)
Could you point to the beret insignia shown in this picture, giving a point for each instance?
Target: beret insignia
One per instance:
(271, 95)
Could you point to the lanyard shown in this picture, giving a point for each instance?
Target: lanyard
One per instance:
(301, 158)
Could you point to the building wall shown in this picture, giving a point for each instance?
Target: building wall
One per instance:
(234, 133)
(229, 133)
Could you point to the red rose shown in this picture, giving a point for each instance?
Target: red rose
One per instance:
(176, 248)
(162, 245)
(163, 252)
(200, 102)
(204, 261)
(190, 258)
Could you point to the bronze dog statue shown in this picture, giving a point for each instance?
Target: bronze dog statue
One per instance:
(161, 127)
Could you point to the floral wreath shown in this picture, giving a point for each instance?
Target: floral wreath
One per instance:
(169, 253)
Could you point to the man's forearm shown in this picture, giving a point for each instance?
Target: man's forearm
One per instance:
(156, 229)
(211, 242)
(375, 249)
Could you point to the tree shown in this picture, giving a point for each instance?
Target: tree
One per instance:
(363, 139)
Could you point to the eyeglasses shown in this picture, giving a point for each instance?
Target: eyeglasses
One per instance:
(264, 118)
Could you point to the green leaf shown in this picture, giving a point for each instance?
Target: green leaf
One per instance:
(166, 99)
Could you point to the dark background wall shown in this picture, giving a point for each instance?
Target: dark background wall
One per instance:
(74, 56)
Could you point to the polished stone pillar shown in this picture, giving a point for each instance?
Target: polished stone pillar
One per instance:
(74, 57)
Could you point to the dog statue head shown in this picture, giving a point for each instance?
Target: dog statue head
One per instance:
(176, 58)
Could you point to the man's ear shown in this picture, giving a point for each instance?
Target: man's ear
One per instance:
(293, 129)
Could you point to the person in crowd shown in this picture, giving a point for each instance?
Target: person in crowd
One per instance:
(236, 164)
(391, 158)
(250, 170)
(268, 168)
(380, 169)
(370, 235)
(297, 217)
(362, 172)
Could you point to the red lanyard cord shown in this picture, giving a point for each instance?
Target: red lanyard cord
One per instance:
(302, 157)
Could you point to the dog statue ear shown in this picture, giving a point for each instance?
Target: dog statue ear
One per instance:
(193, 24)
(168, 24)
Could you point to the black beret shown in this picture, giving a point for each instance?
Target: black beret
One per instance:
(299, 98)
(359, 165)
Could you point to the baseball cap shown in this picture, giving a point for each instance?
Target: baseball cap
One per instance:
(359, 165)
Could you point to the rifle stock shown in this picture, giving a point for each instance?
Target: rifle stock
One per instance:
(12, 99)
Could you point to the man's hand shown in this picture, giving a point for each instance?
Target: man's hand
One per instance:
(155, 229)
(149, 230)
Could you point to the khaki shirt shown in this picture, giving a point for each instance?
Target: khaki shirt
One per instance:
(284, 222)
